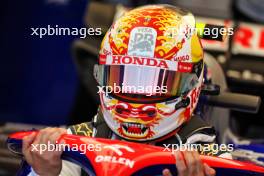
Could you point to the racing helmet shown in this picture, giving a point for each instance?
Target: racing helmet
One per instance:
(151, 71)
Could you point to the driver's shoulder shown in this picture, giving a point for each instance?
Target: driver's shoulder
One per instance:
(95, 128)
(196, 130)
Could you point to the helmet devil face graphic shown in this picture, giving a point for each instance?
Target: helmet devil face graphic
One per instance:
(144, 122)
(136, 121)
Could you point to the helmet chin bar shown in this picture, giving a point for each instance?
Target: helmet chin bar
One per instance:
(183, 104)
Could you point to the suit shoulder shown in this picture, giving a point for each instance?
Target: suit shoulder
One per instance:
(83, 129)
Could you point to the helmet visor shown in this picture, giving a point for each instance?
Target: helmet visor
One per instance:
(147, 81)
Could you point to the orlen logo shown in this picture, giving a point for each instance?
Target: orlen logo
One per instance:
(116, 159)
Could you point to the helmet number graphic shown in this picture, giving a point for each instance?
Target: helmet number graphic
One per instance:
(142, 42)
